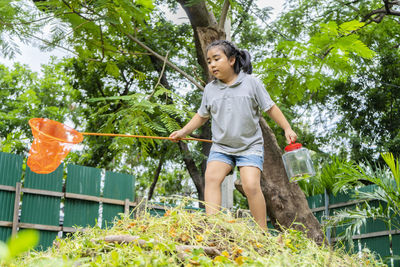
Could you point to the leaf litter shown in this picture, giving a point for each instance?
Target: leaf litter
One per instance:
(188, 238)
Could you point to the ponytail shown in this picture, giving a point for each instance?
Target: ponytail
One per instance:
(243, 58)
(244, 62)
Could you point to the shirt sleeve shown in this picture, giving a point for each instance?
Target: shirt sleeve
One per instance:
(262, 96)
(204, 109)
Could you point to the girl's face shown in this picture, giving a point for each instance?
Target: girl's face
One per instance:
(219, 65)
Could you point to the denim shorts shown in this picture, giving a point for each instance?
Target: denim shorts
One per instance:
(234, 160)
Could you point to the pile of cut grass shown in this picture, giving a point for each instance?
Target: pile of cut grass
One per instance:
(184, 238)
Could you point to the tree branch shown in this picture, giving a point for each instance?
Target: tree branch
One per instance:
(244, 16)
(160, 77)
(382, 12)
(155, 178)
(181, 249)
(224, 14)
(187, 76)
(387, 6)
(349, 5)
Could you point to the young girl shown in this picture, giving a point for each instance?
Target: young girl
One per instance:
(233, 101)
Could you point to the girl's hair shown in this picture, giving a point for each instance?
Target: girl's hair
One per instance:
(243, 57)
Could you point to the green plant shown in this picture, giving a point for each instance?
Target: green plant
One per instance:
(386, 179)
(326, 178)
(24, 241)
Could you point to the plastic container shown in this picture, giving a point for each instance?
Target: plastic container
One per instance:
(297, 162)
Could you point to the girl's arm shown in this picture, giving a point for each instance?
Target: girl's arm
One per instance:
(276, 114)
(192, 125)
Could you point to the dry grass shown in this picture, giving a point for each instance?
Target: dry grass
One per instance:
(159, 241)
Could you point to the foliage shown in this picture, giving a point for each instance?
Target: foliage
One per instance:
(16, 19)
(327, 51)
(24, 95)
(158, 239)
(122, 87)
(173, 180)
(239, 201)
(24, 241)
(328, 175)
(355, 114)
(142, 115)
(386, 192)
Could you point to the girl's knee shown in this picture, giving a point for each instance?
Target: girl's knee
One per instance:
(213, 179)
(251, 189)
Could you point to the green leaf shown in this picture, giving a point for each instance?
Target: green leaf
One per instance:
(393, 165)
(115, 257)
(313, 84)
(362, 50)
(22, 242)
(329, 28)
(351, 43)
(145, 3)
(125, 97)
(350, 26)
(112, 69)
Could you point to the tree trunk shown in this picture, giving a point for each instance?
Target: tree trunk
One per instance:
(205, 30)
(155, 178)
(285, 201)
(196, 174)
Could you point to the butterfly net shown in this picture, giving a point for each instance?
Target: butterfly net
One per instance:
(52, 143)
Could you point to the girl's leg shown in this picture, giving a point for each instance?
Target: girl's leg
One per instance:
(214, 176)
(250, 177)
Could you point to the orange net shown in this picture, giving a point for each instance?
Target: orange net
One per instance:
(52, 143)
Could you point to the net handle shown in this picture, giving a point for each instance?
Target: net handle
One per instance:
(150, 137)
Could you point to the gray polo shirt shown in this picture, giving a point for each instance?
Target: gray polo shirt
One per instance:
(235, 113)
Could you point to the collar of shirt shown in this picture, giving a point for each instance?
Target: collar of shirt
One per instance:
(238, 81)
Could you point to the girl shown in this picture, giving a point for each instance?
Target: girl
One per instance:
(233, 101)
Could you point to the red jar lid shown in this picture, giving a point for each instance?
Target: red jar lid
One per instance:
(293, 146)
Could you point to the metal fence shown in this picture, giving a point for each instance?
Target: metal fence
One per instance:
(56, 203)
(374, 235)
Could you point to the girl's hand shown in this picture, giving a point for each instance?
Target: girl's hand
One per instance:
(290, 135)
(177, 135)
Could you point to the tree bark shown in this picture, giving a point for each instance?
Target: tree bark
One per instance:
(205, 30)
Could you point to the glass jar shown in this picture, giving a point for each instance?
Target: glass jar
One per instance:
(297, 162)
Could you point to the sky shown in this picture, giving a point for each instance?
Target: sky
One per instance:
(34, 58)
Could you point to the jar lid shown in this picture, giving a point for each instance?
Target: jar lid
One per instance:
(293, 146)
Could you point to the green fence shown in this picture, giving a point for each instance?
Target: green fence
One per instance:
(56, 203)
(10, 174)
(374, 235)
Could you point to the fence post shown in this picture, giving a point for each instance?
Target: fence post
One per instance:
(126, 206)
(16, 208)
(328, 230)
(227, 187)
